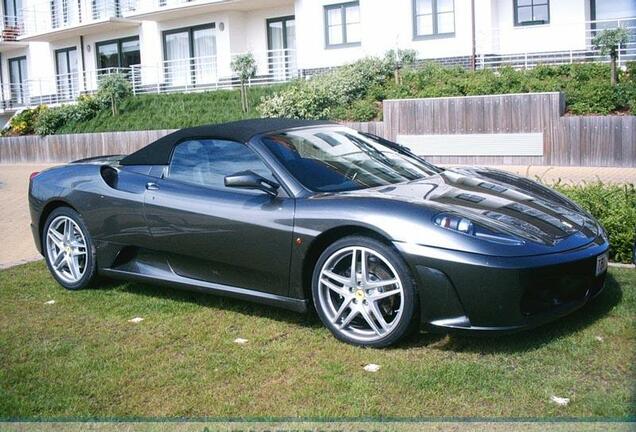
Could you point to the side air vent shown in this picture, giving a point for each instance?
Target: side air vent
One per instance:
(110, 175)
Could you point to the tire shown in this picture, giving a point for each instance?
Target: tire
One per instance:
(387, 291)
(69, 251)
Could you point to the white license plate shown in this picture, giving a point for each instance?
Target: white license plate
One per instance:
(601, 264)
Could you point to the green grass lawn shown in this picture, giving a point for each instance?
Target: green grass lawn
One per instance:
(81, 357)
(173, 111)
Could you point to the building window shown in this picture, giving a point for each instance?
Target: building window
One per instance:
(18, 79)
(190, 55)
(342, 25)
(433, 18)
(67, 73)
(12, 13)
(531, 12)
(611, 10)
(121, 53)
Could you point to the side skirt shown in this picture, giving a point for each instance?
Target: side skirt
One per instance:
(169, 278)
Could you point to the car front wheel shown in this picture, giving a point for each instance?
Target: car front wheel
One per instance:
(363, 292)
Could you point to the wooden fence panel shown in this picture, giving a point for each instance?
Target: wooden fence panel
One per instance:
(567, 140)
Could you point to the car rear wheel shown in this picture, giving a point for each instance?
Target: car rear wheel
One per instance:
(68, 249)
(363, 292)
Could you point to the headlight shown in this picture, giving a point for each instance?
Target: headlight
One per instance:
(466, 226)
(454, 222)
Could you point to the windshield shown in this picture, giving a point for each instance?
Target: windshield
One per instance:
(339, 159)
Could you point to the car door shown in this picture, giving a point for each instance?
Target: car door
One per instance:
(241, 238)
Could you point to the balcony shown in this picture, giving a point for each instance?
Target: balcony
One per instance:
(63, 88)
(169, 9)
(184, 75)
(211, 73)
(527, 47)
(50, 20)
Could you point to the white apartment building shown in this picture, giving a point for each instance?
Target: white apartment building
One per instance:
(51, 51)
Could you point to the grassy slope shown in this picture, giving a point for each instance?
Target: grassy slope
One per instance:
(173, 111)
(80, 356)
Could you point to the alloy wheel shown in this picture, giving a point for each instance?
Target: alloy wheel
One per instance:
(66, 249)
(361, 293)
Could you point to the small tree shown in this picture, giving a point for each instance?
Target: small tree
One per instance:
(244, 66)
(608, 42)
(113, 88)
(398, 59)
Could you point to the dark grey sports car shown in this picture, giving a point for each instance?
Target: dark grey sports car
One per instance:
(292, 213)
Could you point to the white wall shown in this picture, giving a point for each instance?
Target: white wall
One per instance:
(387, 24)
(384, 25)
(565, 31)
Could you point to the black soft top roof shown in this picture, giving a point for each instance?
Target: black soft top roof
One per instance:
(159, 152)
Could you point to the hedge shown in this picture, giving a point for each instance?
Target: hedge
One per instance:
(614, 206)
(354, 92)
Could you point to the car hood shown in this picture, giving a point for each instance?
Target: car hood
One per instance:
(502, 202)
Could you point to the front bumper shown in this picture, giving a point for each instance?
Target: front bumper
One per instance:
(464, 291)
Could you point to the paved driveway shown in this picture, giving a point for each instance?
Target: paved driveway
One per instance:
(17, 243)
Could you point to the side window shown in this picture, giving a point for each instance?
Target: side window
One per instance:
(206, 162)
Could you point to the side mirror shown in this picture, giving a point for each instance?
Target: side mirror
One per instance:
(251, 180)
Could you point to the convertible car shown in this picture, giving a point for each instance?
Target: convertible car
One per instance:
(302, 214)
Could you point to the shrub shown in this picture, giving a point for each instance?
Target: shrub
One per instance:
(324, 96)
(112, 89)
(596, 97)
(23, 123)
(50, 120)
(614, 206)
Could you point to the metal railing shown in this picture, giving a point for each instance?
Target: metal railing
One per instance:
(12, 27)
(132, 7)
(62, 88)
(495, 50)
(46, 16)
(182, 75)
(210, 73)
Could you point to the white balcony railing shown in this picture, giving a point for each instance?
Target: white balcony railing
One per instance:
(63, 88)
(572, 43)
(184, 75)
(133, 7)
(214, 72)
(47, 16)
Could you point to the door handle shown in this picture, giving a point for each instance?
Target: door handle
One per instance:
(152, 186)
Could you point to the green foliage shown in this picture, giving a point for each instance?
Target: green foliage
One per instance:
(23, 123)
(112, 89)
(400, 58)
(244, 66)
(614, 206)
(51, 120)
(354, 92)
(327, 95)
(609, 40)
(586, 86)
